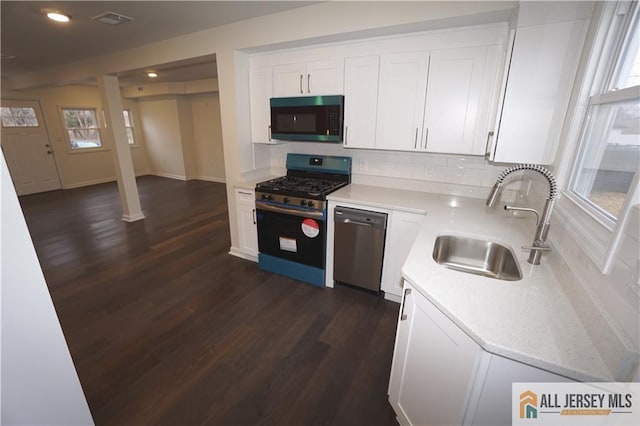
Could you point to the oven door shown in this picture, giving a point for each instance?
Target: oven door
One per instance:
(291, 234)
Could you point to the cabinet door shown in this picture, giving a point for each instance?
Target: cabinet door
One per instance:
(401, 233)
(288, 80)
(324, 77)
(458, 95)
(543, 66)
(260, 91)
(315, 78)
(434, 363)
(361, 101)
(401, 100)
(247, 228)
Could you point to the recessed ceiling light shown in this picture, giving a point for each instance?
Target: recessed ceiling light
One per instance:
(58, 17)
(152, 74)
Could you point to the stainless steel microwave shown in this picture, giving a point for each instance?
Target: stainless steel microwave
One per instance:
(307, 118)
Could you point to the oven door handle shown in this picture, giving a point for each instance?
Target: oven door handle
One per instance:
(261, 205)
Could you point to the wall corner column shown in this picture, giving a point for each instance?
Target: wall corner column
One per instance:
(116, 133)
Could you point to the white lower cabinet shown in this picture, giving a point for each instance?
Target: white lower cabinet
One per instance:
(402, 230)
(441, 376)
(433, 364)
(247, 227)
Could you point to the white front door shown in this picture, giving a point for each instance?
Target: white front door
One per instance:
(27, 148)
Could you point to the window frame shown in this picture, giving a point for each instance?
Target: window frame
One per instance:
(598, 236)
(98, 128)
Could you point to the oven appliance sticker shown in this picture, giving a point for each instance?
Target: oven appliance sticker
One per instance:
(310, 228)
(288, 244)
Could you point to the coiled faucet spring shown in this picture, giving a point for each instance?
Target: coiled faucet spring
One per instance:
(544, 221)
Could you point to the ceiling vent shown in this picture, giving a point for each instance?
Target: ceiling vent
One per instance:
(112, 18)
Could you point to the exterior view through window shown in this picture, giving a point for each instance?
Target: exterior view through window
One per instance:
(82, 128)
(128, 126)
(19, 117)
(609, 154)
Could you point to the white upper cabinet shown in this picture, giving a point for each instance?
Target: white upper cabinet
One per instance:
(325, 77)
(541, 72)
(436, 101)
(261, 90)
(361, 101)
(401, 101)
(425, 92)
(459, 92)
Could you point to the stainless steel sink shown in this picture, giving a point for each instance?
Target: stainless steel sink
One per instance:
(476, 256)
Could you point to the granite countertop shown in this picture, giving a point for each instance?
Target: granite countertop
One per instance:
(534, 320)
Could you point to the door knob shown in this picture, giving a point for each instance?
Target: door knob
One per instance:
(49, 152)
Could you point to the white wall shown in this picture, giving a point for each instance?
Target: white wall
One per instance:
(79, 168)
(184, 137)
(207, 137)
(162, 129)
(38, 380)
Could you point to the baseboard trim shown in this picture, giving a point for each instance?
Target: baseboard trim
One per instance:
(98, 181)
(210, 179)
(133, 218)
(169, 175)
(239, 253)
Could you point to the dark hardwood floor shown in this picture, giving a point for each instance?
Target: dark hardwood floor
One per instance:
(165, 327)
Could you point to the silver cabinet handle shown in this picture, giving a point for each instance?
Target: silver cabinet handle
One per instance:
(487, 147)
(346, 133)
(269, 132)
(415, 142)
(253, 213)
(308, 83)
(301, 77)
(245, 193)
(426, 137)
(403, 316)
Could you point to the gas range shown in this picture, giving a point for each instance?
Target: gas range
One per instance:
(305, 192)
(291, 215)
(308, 181)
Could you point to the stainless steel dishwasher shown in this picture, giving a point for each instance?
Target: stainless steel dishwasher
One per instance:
(358, 247)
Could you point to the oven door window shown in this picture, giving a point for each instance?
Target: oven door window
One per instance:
(294, 238)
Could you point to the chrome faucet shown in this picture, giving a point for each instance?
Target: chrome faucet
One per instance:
(542, 222)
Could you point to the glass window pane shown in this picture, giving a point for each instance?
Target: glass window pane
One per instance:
(628, 69)
(82, 128)
(127, 119)
(84, 138)
(19, 117)
(610, 156)
(130, 136)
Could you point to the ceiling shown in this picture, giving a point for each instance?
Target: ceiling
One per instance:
(31, 42)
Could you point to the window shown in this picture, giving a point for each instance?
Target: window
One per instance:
(609, 151)
(19, 117)
(128, 124)
(82, 128)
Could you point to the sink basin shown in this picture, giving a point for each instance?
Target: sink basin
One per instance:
(476, 256)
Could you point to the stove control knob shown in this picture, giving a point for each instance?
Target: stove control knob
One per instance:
(303, 202)
(309, 203)
(286, 200)
(270, 197)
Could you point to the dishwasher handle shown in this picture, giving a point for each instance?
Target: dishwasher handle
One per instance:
(355, 222)
(365, 219)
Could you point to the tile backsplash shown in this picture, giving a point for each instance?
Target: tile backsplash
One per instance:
(459, 174)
